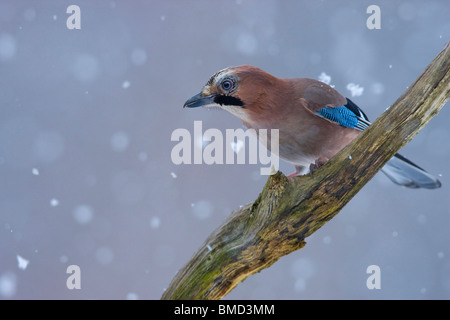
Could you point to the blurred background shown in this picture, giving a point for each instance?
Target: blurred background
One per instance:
(86, 117)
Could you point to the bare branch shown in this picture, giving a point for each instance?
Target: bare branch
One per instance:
(289, 210)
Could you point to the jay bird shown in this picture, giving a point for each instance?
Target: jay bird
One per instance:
(314, 120)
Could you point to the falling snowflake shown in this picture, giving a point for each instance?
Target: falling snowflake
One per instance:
(126, 84)
(83, 214)
(237, 146)
(8, 284)
(325, 78)
(355, 89)
(155, 222)
(132, 296)
(54, 202)
(120, 141)
(22, 263)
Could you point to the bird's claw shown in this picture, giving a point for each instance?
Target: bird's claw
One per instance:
(317, 164)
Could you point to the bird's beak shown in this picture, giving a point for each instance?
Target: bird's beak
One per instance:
(200, 101)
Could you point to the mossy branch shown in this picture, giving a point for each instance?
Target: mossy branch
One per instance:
(289, 210)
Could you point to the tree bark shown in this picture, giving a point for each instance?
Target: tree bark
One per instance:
(289, 210)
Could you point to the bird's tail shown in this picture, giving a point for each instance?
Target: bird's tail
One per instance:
(405, 173)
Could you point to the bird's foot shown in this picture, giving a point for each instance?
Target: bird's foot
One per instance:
(317, 164)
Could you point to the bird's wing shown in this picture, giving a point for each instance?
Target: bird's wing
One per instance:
(326, 102)
(349, 115)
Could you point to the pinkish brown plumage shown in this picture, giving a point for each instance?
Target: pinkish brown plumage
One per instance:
(314, 120)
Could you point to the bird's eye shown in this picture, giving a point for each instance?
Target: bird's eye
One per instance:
(227, 85)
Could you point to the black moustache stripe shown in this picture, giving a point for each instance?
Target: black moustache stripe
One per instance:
(228, 101)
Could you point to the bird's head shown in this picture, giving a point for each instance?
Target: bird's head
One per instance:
(244, 91)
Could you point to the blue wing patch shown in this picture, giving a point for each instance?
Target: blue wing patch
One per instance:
(340, 115)
(349, 116)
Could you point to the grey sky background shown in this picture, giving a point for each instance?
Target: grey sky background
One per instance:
(86, 118)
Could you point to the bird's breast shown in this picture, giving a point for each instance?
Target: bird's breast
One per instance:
(303, 143)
